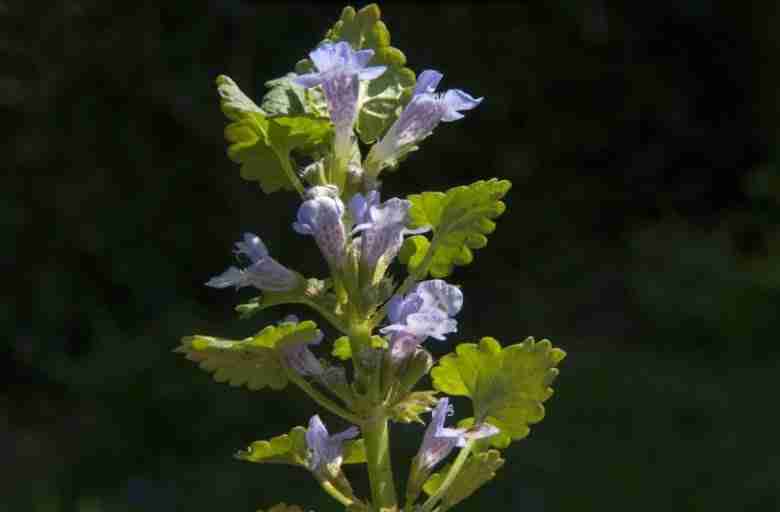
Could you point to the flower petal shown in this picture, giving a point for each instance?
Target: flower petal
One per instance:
(456, 100)
(326, 56)
(252, 247)
(371, 73)
(233, 276)
(427, 82)
(436, 293)
(308, 80)
(362, 58)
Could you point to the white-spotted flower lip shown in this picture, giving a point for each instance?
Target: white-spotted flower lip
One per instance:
(264, 272)
(321, 217)
(427, 311)
(326, 451)
(382, 227)
(339, 71)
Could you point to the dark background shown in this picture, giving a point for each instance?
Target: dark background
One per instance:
(641, 235)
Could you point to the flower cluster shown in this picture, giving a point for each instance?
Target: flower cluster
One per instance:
(383, 320)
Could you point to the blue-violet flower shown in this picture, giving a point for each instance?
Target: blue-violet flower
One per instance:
(326, 451)
(299, 357)
(264, 272)
(320, 215)
(382, 228)
(339, 71)
(421, 115)
(426, 311)
(439, 440)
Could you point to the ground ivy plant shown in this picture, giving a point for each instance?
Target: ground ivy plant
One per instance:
(328, 132)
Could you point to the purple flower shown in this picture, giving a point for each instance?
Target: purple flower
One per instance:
(439, 440)
(360, 205)
(382, 228)
(299, 357)
(320, 215)
(420, 116)
(425, 312)
(339, 71)
(264, 272)
(326, 451)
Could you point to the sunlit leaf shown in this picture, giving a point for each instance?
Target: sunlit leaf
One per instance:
(254, 362)
(507, 385)
(291, 449)
(460, 219)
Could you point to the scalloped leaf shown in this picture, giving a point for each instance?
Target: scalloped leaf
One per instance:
(507, 385)
(460, 219)
(383, 98)
(261, 144)
(291, 449)
(286, 98)
(343, 350)
(254, 362)
(284, 449)
(478, 469)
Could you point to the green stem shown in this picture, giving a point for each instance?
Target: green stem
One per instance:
(450, 478)
(376, 434)
(288, 170)
(335, 493)
(321, 399)
(328, 315)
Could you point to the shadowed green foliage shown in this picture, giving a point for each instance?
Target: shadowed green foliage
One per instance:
(261, 144)
(478, 469)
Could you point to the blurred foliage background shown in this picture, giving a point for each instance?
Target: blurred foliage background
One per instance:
(641, 236)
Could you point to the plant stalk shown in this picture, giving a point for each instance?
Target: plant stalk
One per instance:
(321, 399)
(457, 465)
(376, 433)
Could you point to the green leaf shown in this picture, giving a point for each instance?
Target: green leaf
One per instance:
(253, 362)
(478, 469)
(286, 98)
(354, 452)
(460, 219)
(413, 251)
(261, 144)
(284, 449)
(343, 350)
(506, 385)
(412, 406)
(381, 99)
(291, 449)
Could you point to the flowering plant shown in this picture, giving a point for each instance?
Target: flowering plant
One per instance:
(309, 135)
